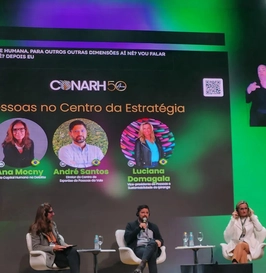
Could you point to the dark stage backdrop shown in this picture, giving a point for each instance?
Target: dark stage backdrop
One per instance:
(113, 95)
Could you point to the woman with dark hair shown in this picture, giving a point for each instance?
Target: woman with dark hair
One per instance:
(45, 237)
(148, 148)
(18, 148)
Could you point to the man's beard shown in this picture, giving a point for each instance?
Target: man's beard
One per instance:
(141, 219)
(79, 139)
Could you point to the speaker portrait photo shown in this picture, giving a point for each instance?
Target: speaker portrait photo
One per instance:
(24, 143)
(256, 95)
(147, 143)
(80, 143)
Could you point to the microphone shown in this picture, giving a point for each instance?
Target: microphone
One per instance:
(144, 220)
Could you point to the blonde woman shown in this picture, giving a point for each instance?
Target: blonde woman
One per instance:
(148, 149)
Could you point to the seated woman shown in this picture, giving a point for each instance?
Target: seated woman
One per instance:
(18, 148)
(45, 237)
(241, 233)
(148, 149)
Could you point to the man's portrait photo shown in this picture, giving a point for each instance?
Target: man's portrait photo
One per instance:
(80, 143)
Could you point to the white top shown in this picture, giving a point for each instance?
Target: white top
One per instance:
(233, 232)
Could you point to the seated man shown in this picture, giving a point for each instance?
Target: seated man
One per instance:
(240, 232)
(144, 239)
(45, 237)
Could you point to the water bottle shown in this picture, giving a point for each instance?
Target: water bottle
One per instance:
(191, 239)
(96, 242)
(185, 239)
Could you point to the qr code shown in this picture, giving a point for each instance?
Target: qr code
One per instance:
(213, 87)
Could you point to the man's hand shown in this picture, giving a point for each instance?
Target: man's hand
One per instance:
(59, 248)
(143, 225)
(252, 87)
(158, 243)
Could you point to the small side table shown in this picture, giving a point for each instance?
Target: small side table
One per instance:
(195, 250)
(95, 253)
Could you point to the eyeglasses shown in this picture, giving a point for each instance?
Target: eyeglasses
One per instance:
(243, 208)
(51, 211)
(15, 130)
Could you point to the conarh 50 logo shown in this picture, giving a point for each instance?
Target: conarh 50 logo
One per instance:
(79, 85)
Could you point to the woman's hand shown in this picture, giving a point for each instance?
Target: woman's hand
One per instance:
(235, 214)
(251, 211)
(58, 248)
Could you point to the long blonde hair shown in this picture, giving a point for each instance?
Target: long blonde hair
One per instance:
(141, 134)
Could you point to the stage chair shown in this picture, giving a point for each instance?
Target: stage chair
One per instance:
(127, 255)
(38, 257)
(260, 236)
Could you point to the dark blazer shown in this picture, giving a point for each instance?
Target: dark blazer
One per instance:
(258, 100)
(143, 153)
(133, 229)
(40, 242)
(13, 158)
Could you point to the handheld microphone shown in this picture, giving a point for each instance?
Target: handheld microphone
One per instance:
(144, 220)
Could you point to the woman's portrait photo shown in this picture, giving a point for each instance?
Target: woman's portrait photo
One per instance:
(23, 142)
(147, 143)
(148, 148)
